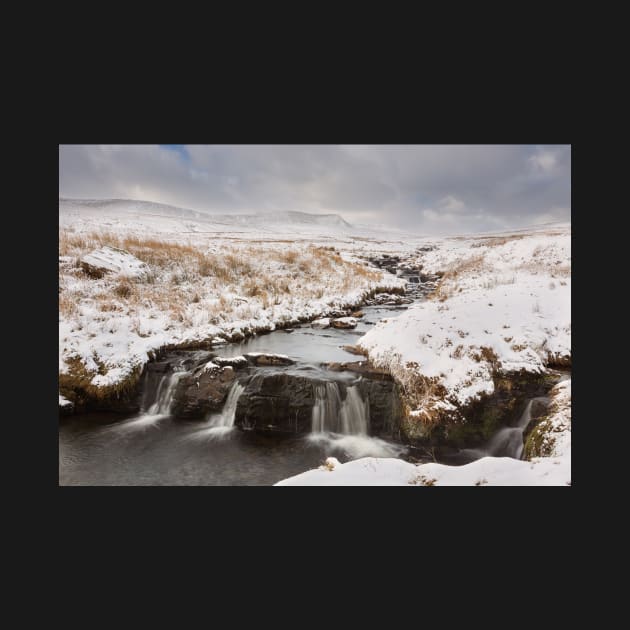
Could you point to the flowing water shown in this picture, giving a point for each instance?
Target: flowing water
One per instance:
(221, 424)
(506, 442)
(152, 448)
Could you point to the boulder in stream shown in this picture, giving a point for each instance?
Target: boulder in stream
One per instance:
(238, 363)
(344, 323)
(265, 358)
(203, 391)
(277, 402)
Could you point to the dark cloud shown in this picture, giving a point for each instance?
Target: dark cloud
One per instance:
(433, 189)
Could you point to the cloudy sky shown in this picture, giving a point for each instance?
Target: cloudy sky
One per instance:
(436, 189)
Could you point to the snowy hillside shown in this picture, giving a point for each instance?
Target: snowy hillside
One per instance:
(129, 215)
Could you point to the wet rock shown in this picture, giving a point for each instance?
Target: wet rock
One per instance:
(385, 406)
(159, 367)
(66, 407)
(276, 402)
(238, 363)
(360, 367)
(202, 392)
(354, 350)
(288, 330)
(344, 323)
(538, 409)
(357, 314)
(262, 359)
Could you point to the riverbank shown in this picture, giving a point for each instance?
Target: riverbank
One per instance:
(501, 316)
(123, 298)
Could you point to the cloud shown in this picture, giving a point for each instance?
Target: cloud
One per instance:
(425, 188)
(451, 204)
(543, 161)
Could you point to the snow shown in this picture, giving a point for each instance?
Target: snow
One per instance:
(323, 322)
(349, 321)
(64, 402)
(509, 300)
(114, 335)
(488, 471)
(554, 470)
(125, 215)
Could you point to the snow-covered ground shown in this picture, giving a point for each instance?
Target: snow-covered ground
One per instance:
(136, 276)
(174, 276)
(552, 470)
(504, 304)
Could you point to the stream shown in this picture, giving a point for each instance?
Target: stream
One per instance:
(154, 448)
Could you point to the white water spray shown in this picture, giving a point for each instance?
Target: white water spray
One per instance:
(220, 424)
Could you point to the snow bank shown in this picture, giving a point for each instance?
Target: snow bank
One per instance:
(488, 471)
(502, 305)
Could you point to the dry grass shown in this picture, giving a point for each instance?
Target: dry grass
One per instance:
(486, 354)
(191, 286)
(67, 304)
(447, 285)
(496, 241)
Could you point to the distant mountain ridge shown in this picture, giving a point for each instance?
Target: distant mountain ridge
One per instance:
(131, 206)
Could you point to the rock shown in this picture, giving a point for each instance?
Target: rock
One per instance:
(276, 402)
(354, 350)
(356, 314)
(262, 358)
(324, 322)
(385, 406)
(344, 323)
(159, 367)
(281, 402)
(238, 363)
(202, 392)
(288, 330)
(113, 260)
(538, 410)
(360, 367)
(66, 407)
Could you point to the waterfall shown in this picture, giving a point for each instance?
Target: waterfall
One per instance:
(355, 413)
(163, 398)
(228, 413)
(220, 425)
(325, 414)
(508, 442)
(330, 413)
